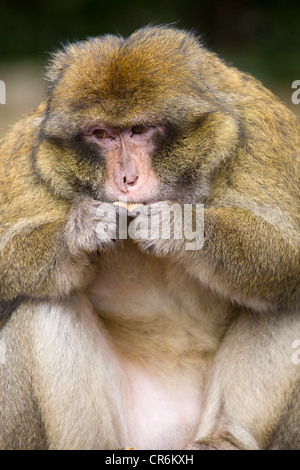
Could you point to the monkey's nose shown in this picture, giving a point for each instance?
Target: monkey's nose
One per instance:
(126, 180)
(130, 180)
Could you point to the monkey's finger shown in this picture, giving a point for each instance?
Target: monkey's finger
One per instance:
(121, 211)
(140, 210)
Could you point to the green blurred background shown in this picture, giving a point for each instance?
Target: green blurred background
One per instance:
(260, 36)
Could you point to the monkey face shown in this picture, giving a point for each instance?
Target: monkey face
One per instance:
(127, 154)
(132, 118)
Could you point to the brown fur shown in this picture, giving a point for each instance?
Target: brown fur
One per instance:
(189, 320)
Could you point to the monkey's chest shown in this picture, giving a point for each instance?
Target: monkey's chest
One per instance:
(163, 340)
(151, 307)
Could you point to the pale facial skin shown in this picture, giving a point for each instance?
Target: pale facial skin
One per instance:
(127, 154)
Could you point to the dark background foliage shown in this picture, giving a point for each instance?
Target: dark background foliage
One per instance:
(259, 36)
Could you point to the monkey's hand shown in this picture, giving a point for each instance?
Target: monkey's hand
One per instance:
(92, 226)
(56, 256)
(167, 228)
(213, 443)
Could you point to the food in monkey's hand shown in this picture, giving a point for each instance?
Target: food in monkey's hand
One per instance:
(128, 206)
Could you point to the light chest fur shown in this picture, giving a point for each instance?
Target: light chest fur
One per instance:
(164, 330)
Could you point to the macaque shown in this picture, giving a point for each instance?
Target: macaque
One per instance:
(150, 341)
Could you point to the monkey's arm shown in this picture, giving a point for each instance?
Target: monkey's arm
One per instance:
(53, 257)
(248, 259)
(243, 257)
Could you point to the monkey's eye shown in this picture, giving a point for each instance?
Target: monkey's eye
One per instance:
(101, 134)
(140, 129)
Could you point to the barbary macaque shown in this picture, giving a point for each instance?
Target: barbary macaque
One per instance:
(144, 341)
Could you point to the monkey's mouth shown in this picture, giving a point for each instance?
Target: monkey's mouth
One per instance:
(151, 201)
(124, 201)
